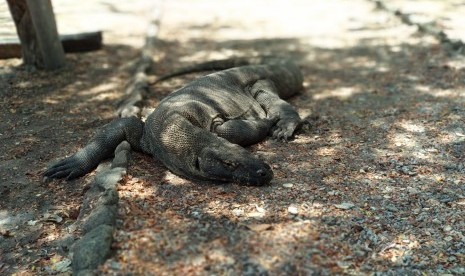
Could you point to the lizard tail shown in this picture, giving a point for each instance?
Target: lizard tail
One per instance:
(216, 65)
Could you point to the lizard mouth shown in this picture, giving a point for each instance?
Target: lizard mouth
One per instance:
(236, 165)
(258, 177)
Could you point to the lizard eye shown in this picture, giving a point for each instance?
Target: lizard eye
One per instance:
(197, 164)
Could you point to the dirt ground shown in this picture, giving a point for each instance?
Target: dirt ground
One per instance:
(374, 186)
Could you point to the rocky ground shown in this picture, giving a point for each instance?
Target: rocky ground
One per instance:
(374, 186)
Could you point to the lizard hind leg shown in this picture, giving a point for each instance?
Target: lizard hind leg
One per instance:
(243, 132)
(99, 148)
(268, 96)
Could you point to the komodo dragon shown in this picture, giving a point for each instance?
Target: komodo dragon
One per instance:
(197, 131)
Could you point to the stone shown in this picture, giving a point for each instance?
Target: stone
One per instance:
(345, 206)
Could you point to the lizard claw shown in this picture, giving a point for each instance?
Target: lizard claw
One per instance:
(284, 129)
(69, 168)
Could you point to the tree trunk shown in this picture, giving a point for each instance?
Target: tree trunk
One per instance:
(37, 31)
(45, 25)
(29, 47)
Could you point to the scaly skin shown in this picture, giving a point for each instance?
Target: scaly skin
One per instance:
(197, 131)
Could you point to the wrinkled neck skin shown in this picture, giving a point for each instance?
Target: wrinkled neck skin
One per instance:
(227, 162)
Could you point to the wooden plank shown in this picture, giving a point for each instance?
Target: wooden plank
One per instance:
(72, 43)
(82, 42)
(44, 24)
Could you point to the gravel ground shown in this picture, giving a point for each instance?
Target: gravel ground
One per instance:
(374, 186)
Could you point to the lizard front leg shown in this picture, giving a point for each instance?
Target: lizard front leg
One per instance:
(99, 148)
(288, 120)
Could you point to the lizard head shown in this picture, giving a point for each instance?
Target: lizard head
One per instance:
(233, 163)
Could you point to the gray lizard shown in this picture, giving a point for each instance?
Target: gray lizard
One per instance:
(198, 130)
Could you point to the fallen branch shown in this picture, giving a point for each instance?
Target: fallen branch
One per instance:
(138, 84)
(430, 28)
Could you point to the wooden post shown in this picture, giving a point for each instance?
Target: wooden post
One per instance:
(45, 26)
(37, 32)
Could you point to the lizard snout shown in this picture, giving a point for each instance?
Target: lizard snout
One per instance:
(264, 176)
(233, 163)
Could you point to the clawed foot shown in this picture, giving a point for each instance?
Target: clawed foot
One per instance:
(68, 168)
(284, 129)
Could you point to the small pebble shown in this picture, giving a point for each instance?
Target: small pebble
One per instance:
(288, 185)
(433, 202)
(259, 209)
(447, 228)
(332, 193)
(255, 215)
(448, 238)
(238, 212)
(387, 189)
(345, 205)
(115, 265)
(293, 210)
(343, 265)
(412, 190)
(392, 208)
